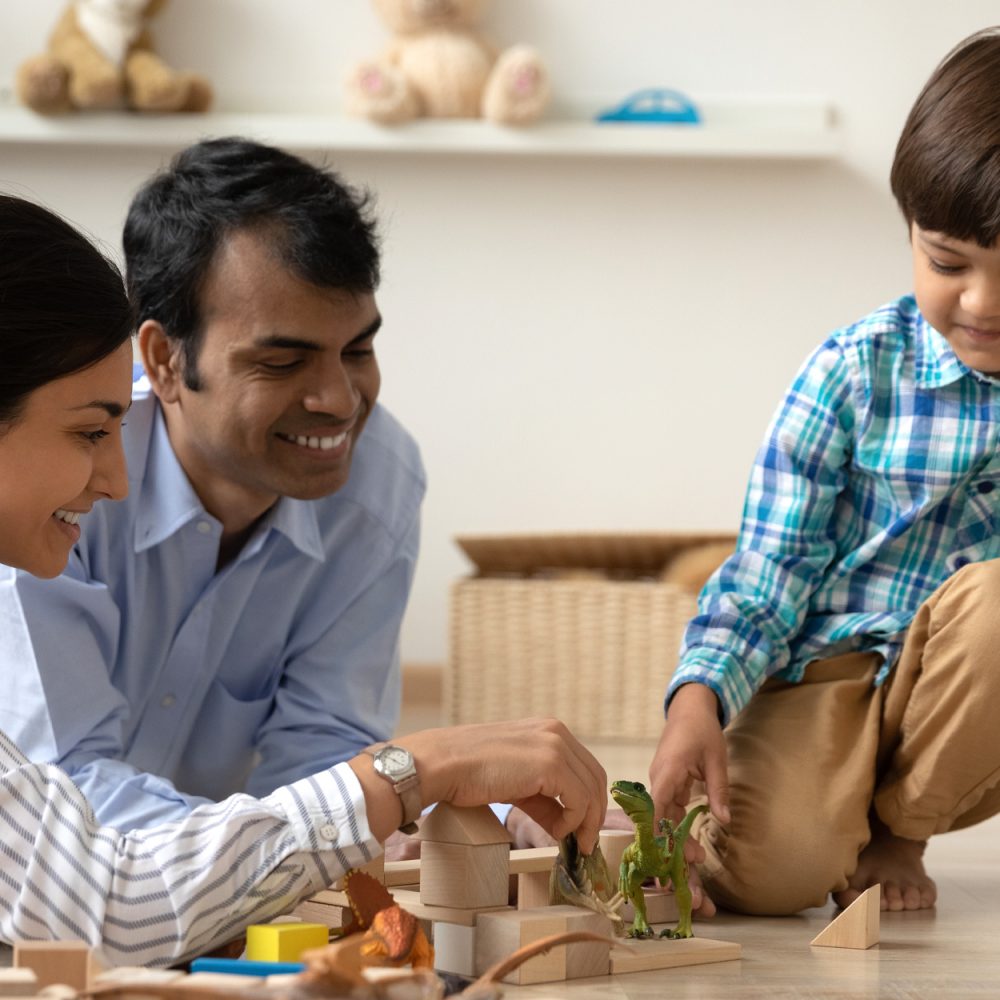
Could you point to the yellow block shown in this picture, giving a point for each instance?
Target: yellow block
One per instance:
(284, 942)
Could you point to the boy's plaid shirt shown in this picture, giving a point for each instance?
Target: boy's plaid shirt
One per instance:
(879, 478)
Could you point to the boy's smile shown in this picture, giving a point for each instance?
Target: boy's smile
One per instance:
(957, 286)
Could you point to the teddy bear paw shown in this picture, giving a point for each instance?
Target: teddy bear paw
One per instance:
(43, 85)
(380, 93)
(98, 89)
(518, 89)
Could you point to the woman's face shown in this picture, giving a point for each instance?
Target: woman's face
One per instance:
(63, 453)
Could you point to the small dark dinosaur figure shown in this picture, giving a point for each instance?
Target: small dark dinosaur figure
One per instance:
(653, 856)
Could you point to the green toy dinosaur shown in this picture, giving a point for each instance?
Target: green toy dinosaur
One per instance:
(653, 856)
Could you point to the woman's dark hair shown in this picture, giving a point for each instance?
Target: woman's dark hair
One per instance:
(319, 228)
(63, 306)
(946, 171)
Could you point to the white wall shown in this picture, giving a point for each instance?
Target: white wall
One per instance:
(578, 344)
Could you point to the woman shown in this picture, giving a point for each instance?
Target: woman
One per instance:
(160, 895)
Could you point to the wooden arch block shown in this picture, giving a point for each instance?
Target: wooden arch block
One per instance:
(857, 926)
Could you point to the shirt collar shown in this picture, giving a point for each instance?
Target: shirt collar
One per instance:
(167, 502)
(937, 365)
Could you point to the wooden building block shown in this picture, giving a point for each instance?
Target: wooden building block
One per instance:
(218, 981)
(402, 872)
(375, 868)
(69, 962)
(858, 926)
(533, 859)
(448, 824)
(409, 900)
(661, 907)
(18, 982)
(138, 974)
(459, 875)
(455, 949)
(499, 934)
(664, 953)
(284, 942)
(613, 844)
(533, 890)
(312, 912)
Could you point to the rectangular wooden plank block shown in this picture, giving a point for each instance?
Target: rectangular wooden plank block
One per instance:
(18, 982)
(663, 953)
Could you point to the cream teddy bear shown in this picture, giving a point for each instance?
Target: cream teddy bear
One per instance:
(100, 56)
(439, 66)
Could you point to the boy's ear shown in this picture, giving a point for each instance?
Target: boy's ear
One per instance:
(161, 358)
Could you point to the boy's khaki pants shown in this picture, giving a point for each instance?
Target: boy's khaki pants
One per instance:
(808, 761)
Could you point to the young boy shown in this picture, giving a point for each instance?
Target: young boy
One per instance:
(851, 646)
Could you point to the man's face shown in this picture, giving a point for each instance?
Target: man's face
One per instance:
(287, 376)
(957, 286)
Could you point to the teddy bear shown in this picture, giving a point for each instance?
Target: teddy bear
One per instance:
(99, 56)
(439, 66)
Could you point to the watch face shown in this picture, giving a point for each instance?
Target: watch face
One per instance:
(394, 760)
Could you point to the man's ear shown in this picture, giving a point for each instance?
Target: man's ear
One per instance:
(161, 358)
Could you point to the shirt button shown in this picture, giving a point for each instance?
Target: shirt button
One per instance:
(168, 700)
(960, 562)
(204, 527)
(329, 832)
(985, 487)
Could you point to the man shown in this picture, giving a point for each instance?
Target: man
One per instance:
(234, 623)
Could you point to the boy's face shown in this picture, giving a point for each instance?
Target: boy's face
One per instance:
(957, 285)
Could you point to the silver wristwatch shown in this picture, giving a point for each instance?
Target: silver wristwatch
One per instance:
(396, 765)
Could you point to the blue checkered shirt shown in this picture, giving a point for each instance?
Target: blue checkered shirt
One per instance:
(878, 479)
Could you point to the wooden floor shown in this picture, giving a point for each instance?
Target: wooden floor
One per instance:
(947, 953)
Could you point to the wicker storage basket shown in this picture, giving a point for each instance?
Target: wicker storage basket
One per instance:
(538, 632)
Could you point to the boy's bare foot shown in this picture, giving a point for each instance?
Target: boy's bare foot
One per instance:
(898, 865)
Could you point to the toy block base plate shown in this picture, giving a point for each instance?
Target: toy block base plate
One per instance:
(663, 953)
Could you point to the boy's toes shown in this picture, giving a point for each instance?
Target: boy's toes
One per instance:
(892, 896)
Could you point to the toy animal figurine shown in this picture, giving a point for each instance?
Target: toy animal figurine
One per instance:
(653, 856)
(100, 56)
(583, 880)
(439, 66)
(389, 934)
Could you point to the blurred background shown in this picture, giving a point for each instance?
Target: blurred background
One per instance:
(578, 343)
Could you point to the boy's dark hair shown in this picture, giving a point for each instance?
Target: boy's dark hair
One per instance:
(318, 227)
(946, 171)
(63, 306)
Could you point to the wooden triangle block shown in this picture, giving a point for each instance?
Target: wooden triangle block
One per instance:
(448, 824)
(857, 926)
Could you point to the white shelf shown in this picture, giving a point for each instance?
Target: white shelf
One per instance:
(749, 128)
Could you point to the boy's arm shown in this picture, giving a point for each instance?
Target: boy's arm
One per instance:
(754, 606)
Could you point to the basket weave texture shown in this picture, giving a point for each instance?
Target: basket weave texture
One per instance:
(529, 637)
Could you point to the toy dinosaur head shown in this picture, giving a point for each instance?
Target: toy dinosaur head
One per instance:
(634, 799)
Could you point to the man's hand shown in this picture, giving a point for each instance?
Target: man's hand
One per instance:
(401, 847)
(691, 748)
(525, 832)
(534, 764)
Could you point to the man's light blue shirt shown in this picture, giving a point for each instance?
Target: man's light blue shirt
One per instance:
(158, 683)
(878, 479)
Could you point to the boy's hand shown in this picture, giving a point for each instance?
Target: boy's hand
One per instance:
(691, 748)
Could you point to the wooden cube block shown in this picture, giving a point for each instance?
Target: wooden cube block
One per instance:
(613, 844)
(498, 934)
(464, 876)
(455, 949)
(18, 983)
(533, 890)
(375, 868)
(284, 942)
(661, 907)
(68, 962)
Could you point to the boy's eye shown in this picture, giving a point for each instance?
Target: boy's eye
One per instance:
(94, 436)
(270, 366)
(942, 268)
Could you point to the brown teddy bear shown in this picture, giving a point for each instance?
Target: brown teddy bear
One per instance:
(101, 56)
(439, 66)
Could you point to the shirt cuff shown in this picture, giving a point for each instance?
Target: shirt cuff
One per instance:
(327, 812)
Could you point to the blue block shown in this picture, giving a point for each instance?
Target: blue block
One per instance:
(243, 967)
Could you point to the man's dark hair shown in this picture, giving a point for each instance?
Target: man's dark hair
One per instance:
(946, 171)
(63, 306)
(320, 228)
